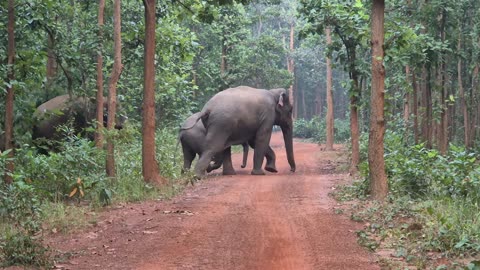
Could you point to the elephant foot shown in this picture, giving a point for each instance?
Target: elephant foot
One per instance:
(271, 169)
(229, 172)
(257, 172)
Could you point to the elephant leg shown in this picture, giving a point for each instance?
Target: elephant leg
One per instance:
(216, 144)
(245, 154)
(270, 155)
(262, 141)
(227, 162)
(217, 163)
(188, 156)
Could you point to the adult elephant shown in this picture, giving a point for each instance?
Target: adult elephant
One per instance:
(62, 110)
(192, 137)
(241, 114)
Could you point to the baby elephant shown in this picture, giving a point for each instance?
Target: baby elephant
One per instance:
(192, 136)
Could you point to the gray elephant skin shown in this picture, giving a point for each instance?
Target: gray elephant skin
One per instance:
(243, 113)
(192, 137)
(58, 111)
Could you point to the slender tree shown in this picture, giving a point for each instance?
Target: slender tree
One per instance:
(99, 133)
(291, 69)
(10, 166)
(463, 102)
(330, 124)
(151, 172)
(112, 88)
(376, 162)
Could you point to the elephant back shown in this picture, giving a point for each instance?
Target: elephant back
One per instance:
(191, 121)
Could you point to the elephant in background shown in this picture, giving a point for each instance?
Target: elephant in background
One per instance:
(192, 137)
(62, 110)
(243, 113)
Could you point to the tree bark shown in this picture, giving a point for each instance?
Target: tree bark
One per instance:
(223, 60)
(354, 119)
(463, 103)
(99, 133)
(51, 63)
(10, 165)
(376, 162)
(406, 100)
(415, 107)
(329, 118)
(318, 102)
(291, 69)
(354, 129)
(112, 88)
(474, 89)
(443, 132)
(150, 170)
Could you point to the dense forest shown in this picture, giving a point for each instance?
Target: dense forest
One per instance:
(408, 81)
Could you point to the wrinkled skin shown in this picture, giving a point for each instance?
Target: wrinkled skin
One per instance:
(61, 110)
(192, 140)
(244, 114)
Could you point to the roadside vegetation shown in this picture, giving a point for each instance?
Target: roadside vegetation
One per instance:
(431, 219)
(61, 192)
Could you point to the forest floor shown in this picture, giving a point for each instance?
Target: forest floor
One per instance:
(277, 221)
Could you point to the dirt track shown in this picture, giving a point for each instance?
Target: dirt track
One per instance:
(276, 221)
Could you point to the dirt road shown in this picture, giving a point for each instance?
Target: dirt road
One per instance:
(276, 221)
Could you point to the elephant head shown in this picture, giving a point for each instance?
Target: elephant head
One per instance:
(283, 118)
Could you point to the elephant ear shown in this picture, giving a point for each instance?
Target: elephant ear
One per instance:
(280, 100)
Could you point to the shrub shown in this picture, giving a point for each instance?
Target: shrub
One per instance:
(55, 175)
(20, 219)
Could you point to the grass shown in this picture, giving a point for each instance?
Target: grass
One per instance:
(60, 217)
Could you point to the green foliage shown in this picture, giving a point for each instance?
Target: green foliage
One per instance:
(20, 206)
(19, 248)
(443, 195)
(19, 223)
(452, 226)
(129, 185)
(315, 128)
(55, 175)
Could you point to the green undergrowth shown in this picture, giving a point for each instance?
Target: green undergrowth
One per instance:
(61, 192)
(431, 219)
(315, 129)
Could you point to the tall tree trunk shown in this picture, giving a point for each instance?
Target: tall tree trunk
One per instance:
(99, 133)
(354, 119)
(223, 60)
(443, 132)
(10, 165)
(151, 172)
(354, 129)
(474, 104)
(463, 103)
(304, 105)
(427, 117)
(292, 70)
(415, 107)
(330, 118)
(51, 63)
(376, 162)
(318, 102)
(112, 88)
(406, 100)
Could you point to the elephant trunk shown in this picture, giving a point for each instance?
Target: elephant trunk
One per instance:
(288, 138)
